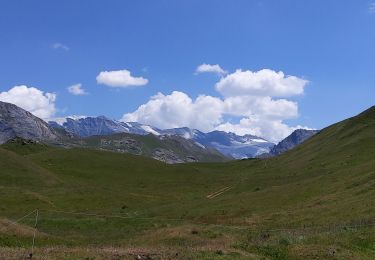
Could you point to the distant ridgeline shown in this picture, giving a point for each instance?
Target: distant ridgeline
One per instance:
(175, 145)
(229, 144)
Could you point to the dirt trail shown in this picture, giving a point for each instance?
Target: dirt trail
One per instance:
(219, 192)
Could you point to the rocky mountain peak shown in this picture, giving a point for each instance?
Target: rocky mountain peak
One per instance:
(17, 122)
(291, 141)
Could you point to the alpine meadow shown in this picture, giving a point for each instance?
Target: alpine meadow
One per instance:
(232, 129)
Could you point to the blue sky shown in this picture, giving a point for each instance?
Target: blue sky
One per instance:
(51, 45)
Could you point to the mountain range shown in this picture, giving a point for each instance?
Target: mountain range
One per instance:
(170, 145)
(230, 144)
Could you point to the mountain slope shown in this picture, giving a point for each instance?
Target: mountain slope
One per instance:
(230, 144)
(314, 201)
(294, 139)
(239, 147)
(16, 122)
(101, 125)
(93, 126)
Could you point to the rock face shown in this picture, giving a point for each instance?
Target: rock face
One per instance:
(93, 126)
(17, 122)
(294, 139)
(230, 144)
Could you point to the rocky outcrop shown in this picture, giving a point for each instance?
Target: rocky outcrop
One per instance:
(17, 122)
(294, 139)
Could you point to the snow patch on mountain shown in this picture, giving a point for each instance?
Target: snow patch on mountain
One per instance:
(148, 129)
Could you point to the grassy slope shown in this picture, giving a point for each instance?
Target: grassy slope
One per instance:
(149, 143)
(327, 181)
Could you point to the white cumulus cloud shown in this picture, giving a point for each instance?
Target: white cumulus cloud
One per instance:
(252, 97)
(120, 79)
(37, 102)
(265, 82)
(177, 110)
(208, 68)
(76, 90)
(261, 116)
(266, 107)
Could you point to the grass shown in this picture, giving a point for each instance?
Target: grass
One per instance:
(146, 145)
(315, 201)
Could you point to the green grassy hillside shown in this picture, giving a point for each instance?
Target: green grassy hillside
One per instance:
(315, 201)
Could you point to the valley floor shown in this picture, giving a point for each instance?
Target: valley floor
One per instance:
(313, 202)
